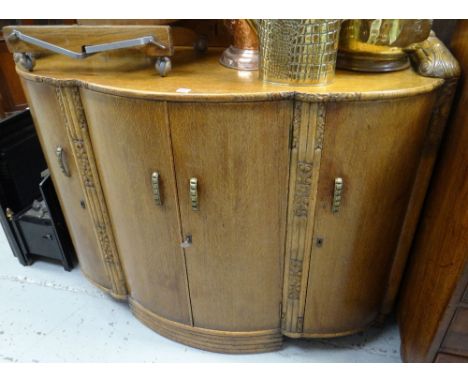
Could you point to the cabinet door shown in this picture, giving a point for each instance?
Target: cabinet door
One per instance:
(50, 125)
(131, 141)
(238, 153)
(374, 147)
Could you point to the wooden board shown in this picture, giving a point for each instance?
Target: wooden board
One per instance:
(374, 148)
(129, 146)
(239, 154)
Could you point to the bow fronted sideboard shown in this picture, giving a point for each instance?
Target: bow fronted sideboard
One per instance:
(231, 212)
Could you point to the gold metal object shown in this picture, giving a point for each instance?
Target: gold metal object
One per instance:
(155, 186)
(9, 214)
(376, 45)
(243, 53)
(193, 193)
(60, 153)
(432, 58)
(299, 51)
(187, 242)
(337, 195)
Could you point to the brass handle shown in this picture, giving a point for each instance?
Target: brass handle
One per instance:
(156, 189)
(9, 214)
(193, 192)
(60, 153)
(337, 195)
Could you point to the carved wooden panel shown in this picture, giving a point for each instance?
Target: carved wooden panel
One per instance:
(306, 151)
(77, 129)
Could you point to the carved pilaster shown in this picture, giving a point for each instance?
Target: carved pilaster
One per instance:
(83, 162)
(308, 132)
(295, 278)
(77, 129)
(303, 188)
(296, 124)
(320, 126)
(300, 324)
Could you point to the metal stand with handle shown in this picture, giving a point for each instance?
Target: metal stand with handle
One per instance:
(26, 60)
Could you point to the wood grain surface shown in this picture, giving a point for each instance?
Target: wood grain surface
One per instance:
(129, 146)
(374, 148)
(78, 136)
(239, 154)
(12, 97)
(202, 78)
(233, 342)
(456, 338)
(437, 275)
(50, 126)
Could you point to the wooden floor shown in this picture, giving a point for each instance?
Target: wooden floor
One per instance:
(49, 315)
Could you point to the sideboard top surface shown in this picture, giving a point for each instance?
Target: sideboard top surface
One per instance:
(200, 77)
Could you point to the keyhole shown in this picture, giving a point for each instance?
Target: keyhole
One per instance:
(82, 204)
(319, 242)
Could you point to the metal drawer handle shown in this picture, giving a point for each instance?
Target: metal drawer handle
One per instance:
(62, 162)
(193, 192)
(337, 195)
(156, 189)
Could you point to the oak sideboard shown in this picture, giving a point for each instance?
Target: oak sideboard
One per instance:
(231, 212)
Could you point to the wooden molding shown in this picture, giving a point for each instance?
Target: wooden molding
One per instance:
(208, 339)
(307, 143)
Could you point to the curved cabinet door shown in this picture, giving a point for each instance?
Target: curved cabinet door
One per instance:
(50, 123)
(131, 141)
(375, 148)
(239, 155)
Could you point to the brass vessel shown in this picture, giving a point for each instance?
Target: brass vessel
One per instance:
(299, 51)
(377, 45)
(243, 53)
